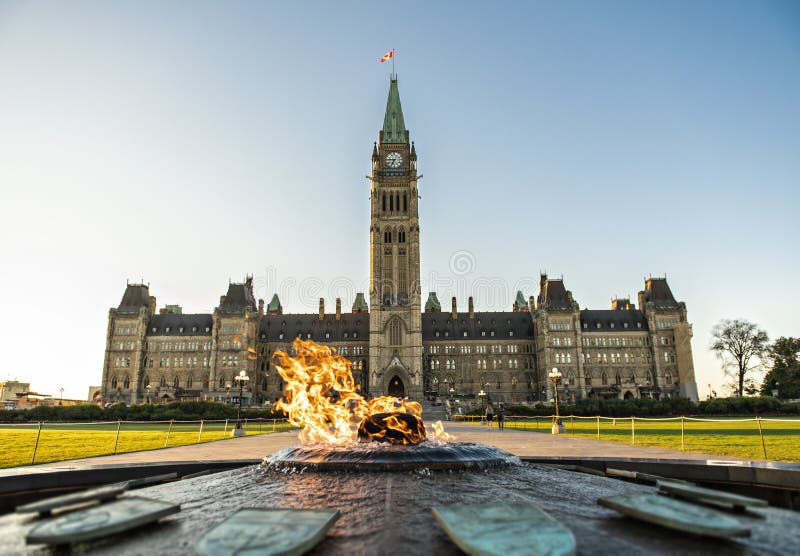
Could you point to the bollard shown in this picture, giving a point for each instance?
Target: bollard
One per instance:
(225, 432)
(36, 446)
(169, 431)
(761, 434)
(683, 427)
(633, 431)
(116, 439)
(200, 434)
(598, 427)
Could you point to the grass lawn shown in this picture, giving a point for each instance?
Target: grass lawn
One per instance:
(725, 437)
(70, 441)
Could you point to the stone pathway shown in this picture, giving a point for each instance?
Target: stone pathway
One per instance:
(520, 443)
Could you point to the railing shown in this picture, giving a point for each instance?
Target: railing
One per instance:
(55, 441)
(544, 422)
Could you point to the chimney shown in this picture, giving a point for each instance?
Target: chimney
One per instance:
(471, 308)
(531, 304)
(338, 308)
(321, 308)
(454, 310)
(261, 307)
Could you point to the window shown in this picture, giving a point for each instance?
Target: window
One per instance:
(114, 382)
(189, 382)
(618, 379)
(162, 382)
(127, 382)
(395, 336)
(175, 382)
(604, 379)
(222, 381)
(570, 378)
(556, 341)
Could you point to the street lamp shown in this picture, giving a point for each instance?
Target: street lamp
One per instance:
(555, 376)
(775, 390)
(148, 387)
(228, 393)
(61, 400)
(241, 379)
(481, 395)
(452, 392)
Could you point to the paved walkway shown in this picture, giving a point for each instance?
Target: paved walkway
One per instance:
(520, 443)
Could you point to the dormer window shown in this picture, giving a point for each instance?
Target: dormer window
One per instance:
(355, 335)
(153, 330)
(510, 333)
(327, 335)
(345, 335)
(280, 336)
(194, 329)
(436, 333)
(208, 329)
(611, 324)
(446, 333)
(166, 330)
(465, 333)
(625, 325)
(586, 325)
(599, 325)
(180, 330)
(638, 325)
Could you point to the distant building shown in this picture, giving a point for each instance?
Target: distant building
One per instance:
(397, 346)
(95, 394)
(10, 388)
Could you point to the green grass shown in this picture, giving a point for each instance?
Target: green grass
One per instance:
(725, 437)
(59, 442)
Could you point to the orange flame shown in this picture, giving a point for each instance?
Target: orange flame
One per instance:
(321, 396)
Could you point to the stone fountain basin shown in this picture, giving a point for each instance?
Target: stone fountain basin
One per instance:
(389, 512)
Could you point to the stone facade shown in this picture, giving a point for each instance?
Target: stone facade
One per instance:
(397, 347)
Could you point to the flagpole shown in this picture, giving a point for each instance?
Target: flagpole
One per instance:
(393, 53)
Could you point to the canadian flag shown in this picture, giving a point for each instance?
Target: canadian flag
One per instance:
(388, 55)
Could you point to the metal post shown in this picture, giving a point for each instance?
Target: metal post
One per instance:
(200, 434)
(245, 424)
(169, 431)
(598, 427)
(683, 432)
(225, 432)
(36, 446)
(761, 434)
(260, 423)
(572, 424)
(116, 439)
(633, 431)
(273, 425)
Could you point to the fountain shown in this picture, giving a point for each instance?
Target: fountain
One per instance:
(321, 397)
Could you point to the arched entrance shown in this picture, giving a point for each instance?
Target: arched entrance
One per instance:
(396, 387)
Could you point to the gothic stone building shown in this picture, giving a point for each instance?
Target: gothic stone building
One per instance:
(397, 346)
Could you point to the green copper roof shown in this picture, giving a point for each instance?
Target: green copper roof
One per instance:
(394, 127)
(274, 305)
(360, 304)
(433, 303)
(520, 302)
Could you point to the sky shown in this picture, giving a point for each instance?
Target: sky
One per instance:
(188, 144)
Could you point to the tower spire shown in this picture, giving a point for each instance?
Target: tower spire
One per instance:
(394, 127)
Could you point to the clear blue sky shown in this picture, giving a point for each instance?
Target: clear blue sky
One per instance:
(187, 143)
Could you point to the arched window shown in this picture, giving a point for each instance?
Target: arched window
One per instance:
(126, 383)
(146, 380)
(175, 382)
(397, 201)
(384, 202)
(405, 202)
(618, 379)
(570, 378)
(588, 378)
(114, 382)
(162, 382)
(222, 381)
(395, 332)
(189, 381)
(206, 382)
(391, 203)
(604, 379)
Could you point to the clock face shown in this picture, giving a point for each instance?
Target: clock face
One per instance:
(394, 160)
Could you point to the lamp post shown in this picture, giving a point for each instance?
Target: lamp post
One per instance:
(555, 376)
(228, 393)
(482, 395)
(452, 392)
(61, 400)
(775, 391)
(241, 379)
(148, 387)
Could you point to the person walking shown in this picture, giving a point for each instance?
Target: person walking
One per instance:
(489, 414)
(501, 417)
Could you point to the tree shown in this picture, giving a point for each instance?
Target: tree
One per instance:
(741, 346)
(784, 376)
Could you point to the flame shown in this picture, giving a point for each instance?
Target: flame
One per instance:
(321, 396)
